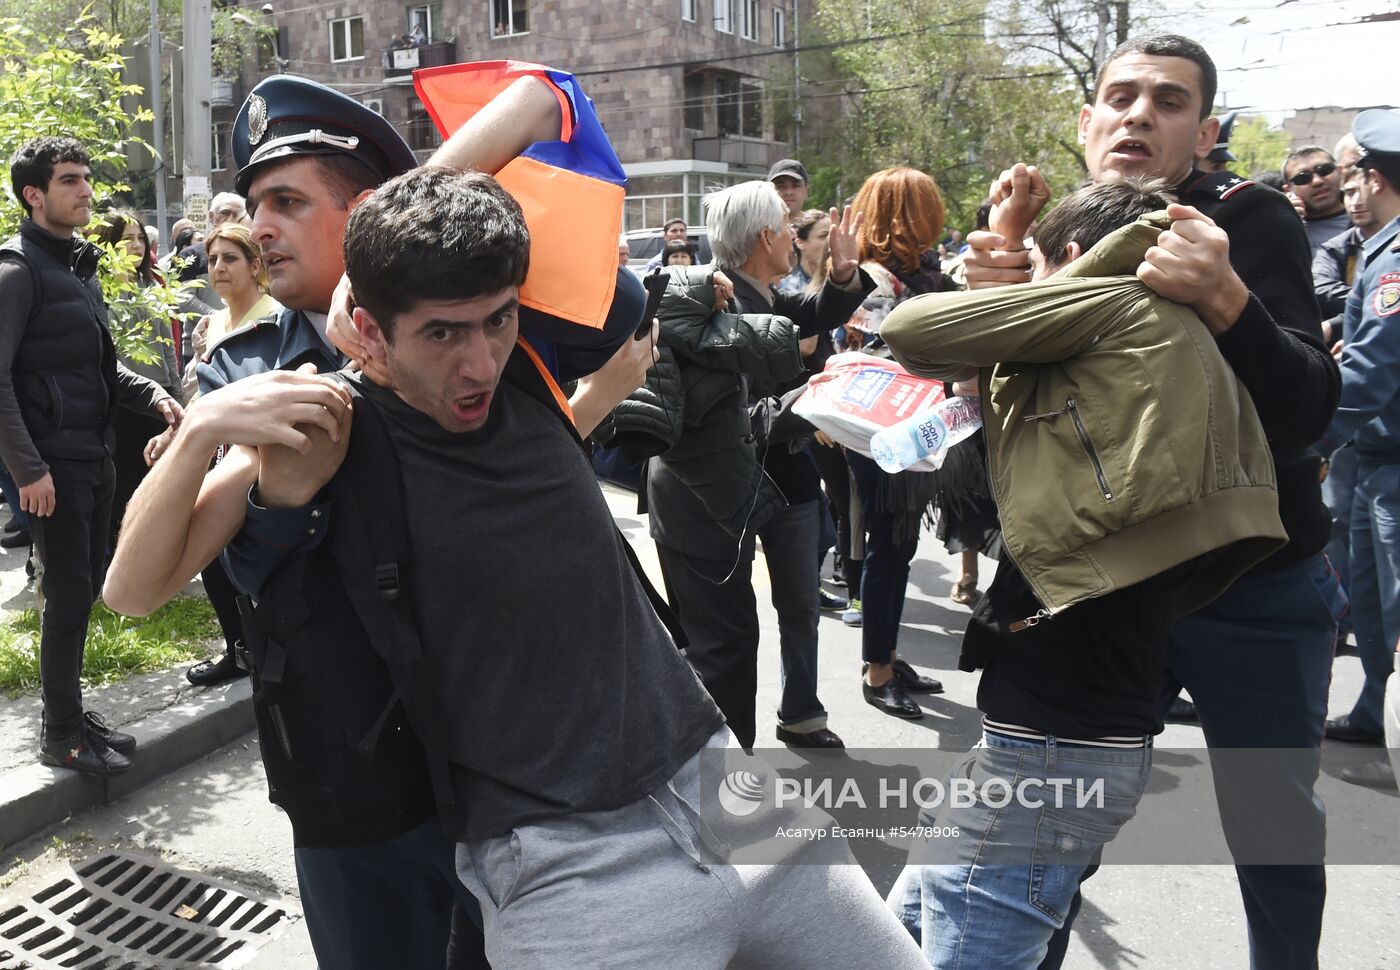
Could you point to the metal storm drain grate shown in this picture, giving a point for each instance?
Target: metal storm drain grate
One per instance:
(125, 912)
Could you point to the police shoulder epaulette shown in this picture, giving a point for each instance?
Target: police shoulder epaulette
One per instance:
(1222, 185)
(252, 326)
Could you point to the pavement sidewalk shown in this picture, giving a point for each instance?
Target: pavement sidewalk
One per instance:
(174, 724)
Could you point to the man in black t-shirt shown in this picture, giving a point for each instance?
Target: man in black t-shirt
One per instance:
(571, 724)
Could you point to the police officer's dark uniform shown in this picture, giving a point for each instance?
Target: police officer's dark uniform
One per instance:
(1220, 155)
(1369, 417)
(366, 905)
(1257, 660)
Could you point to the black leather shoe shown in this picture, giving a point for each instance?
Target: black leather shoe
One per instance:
(209, 673)
(820, 738)
(891, 699)
(1342, 729)
(1373, 774)
(1182, 711)
(16, 540)
(118, 741)
(83, 753)
(830, 602)
(12, 526)
(911, 679)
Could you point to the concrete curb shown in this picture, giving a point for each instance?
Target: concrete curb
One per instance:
(36, 796)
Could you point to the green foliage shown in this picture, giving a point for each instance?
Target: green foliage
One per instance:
(943, 98)
(117, 646)
(1258, 147)
(71, 83)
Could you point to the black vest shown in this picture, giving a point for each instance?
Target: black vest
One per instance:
(65, 370)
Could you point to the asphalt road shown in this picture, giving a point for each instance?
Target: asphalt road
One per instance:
(214, 817)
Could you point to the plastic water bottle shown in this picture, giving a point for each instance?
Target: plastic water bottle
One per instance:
(928, 434)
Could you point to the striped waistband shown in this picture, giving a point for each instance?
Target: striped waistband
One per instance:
(1021, 733)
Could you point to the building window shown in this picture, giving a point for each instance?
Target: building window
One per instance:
(723, 21)
(688, 11)
(422, 134)
(779, 27)
(750, 109)
(348, 39)
(423, 20)
(220, 136)
(509, 17)
(695, 101)
(748, 19)
(739, 105)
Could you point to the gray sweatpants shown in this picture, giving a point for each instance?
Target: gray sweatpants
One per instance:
(637, 887)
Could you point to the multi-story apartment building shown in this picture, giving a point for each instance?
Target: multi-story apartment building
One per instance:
(695, 94)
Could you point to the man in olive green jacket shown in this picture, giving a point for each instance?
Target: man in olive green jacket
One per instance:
(1121, 401)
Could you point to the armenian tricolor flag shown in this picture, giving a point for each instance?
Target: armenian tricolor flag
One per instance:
(571, 190)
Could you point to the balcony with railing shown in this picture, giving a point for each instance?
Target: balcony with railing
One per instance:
(744, 152)
(401, 62)
(225, 92)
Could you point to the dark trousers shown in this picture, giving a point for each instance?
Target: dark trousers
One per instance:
(721, 621)
(133, 430)
(386, 905)
(836, 476)
(72, 544)
(223, 596)
(885, 571)
(1258, 662)
(11, 492)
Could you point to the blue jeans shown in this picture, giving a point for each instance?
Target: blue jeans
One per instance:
(993, 894)
(1375, 582)
(1337, 492)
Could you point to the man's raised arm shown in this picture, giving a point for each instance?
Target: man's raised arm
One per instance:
(180, 517)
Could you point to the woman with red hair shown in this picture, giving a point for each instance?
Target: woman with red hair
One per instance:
(903, 215)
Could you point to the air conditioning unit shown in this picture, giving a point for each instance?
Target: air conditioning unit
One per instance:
(374, 104)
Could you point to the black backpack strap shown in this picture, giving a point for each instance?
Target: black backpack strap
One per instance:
(372, 475)
(658, 602)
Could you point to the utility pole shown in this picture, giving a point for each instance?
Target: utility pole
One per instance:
(796, 81)
(1101, 39)
(198, 30)
(157, 94)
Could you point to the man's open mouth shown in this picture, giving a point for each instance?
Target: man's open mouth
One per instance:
(1132, 148)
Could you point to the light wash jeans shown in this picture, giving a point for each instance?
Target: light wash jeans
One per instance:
(993, 894)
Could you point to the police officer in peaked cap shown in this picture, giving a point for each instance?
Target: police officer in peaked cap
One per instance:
(1219, 157)
(325, 149)
(1369, 417)
(305, 154)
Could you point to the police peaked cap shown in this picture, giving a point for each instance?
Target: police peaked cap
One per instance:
(1220, 151)
(1377, 133)
(286, 116)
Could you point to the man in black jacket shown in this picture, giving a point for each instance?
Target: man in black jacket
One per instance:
(60, 384)
(707, 569)
(1257, 661)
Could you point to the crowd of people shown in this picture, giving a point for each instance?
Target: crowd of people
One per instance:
(1187, 478)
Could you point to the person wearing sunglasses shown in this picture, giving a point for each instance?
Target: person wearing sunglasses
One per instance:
(1311, 175)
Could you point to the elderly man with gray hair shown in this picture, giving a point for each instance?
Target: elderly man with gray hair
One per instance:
(708, 567)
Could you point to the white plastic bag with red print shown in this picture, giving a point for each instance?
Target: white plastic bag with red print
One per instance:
(857, 395)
